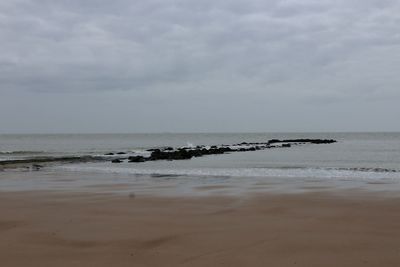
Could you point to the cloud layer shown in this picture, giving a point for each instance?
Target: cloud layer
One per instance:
(317, 53)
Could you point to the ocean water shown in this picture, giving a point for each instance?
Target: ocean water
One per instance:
(357, 158)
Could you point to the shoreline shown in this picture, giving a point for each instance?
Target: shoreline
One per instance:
(96, 229)
(170, 185)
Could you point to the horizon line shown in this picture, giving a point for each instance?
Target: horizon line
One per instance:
(170, 132)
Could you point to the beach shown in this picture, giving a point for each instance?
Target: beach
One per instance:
(64, 202)
(308, 229)
(199, 133)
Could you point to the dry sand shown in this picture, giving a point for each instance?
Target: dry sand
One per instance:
(49, 229)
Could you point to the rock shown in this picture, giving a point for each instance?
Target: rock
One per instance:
(182, 154)
(169, 153)
(155, 152)
(216, 151)
(226, 149)
(136, 159)
(158, 155)
(109, 154)
(179, 154)
(312, 141)
(116, 161)
(121, 153)
(272, 141)
(196, 153)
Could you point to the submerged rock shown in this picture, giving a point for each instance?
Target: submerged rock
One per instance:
(312, 141)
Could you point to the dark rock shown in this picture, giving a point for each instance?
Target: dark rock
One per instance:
(109, 154)
(226, 149)
(116, 161)
(286, 145)
(216, 151)
(171, 155)
(136, 159)
(121, 153)
(182, 154)
(312, 141)
(196, 153)
(156, 152)
(204, 151)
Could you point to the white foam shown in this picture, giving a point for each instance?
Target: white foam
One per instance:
(323, 173)
(190, 145)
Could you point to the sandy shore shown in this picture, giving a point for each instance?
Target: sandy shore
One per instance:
(315, 229)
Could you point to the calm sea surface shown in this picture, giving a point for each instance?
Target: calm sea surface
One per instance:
(372, 158)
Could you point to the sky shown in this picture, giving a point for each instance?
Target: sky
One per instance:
(121, 66)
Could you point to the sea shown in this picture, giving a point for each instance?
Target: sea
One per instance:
(357, 161)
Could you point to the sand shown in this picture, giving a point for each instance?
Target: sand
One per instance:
(313, 229)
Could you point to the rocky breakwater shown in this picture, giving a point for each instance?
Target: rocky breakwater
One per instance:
(185, 153)
(165, 153)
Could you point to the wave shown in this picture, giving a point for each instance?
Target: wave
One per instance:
(356, 169)
(65, 159)
(285, 172)
(366, 169)
(21, 152)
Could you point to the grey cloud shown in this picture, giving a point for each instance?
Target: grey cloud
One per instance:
(123, 45)
(319, 52)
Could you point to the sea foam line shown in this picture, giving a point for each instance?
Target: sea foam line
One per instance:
(325, 173)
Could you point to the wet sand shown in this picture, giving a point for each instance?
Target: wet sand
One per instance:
(313, 229)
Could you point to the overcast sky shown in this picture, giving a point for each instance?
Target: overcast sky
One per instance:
(199, 66)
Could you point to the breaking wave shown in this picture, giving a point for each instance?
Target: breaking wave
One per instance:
(288, 172)
(21, 152)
